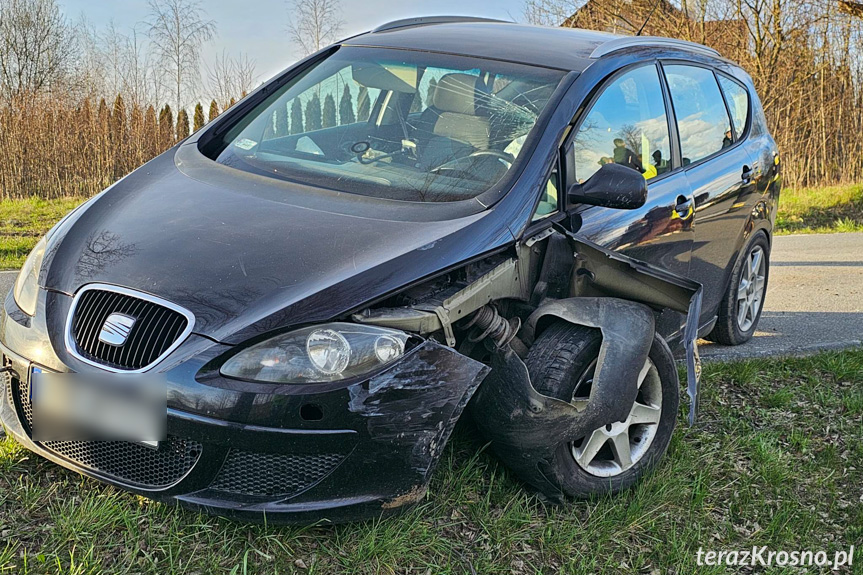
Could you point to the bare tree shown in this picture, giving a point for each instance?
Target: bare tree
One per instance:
(112, 43)
(136, 72)
(37, 47)
(244, 72)
(314, 23)
(91, 71)
(177, 29)
(230, 77)
(550, 12)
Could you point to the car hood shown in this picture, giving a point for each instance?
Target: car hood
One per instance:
(246, 262)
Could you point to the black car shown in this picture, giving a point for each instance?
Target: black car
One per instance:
(440, 214)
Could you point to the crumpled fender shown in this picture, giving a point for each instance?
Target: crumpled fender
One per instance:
(627, 333)
(605, 272)
(618, 295)
(528, 425)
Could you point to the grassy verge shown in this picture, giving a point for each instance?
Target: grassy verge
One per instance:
(774, 460)
(23, 222)
(820, 210)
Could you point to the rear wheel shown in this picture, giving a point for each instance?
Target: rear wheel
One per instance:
(741, 307)
(562, 363)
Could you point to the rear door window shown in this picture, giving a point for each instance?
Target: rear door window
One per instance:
(627, 125)
(737, 99)
(702, 119)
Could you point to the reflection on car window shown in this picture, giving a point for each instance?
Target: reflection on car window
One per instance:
(395, 124)
(548, 200)
(627, 125)
(738, 103)
(702, 120)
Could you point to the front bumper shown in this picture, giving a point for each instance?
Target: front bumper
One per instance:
(291, 454)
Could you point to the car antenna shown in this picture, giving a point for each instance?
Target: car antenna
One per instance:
(649, 16)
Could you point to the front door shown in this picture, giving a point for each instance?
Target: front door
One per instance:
(628, 124)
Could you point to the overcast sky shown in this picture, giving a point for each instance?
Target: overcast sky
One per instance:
(258, 27)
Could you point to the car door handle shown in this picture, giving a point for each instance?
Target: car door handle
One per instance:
(747, 174)
(683, 208)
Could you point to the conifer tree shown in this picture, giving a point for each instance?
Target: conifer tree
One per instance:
(313, 114)
(198, 119)
(151, 132)
(296, 117)
(137, 144)
(346, 107)
(103, 114)
(118, 121)
(214, 110)
(329, 115)
(166, 127)
(182, 125)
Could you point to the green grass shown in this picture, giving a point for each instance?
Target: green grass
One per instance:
(23, 222)
(774, 460)
(820, 210)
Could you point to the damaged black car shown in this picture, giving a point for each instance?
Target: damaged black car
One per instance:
(285, 315)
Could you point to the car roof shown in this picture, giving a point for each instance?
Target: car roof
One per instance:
(570, 49)
(561, 48)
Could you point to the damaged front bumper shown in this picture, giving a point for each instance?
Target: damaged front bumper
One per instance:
(371, 453)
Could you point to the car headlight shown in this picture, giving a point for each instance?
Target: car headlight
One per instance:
(26, 290)
(319, 354)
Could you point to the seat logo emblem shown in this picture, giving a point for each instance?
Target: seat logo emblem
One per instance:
(116, 329)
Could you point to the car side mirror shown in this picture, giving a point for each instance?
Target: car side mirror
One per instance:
(613, 186)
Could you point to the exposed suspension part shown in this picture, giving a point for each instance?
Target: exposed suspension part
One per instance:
(487, 323)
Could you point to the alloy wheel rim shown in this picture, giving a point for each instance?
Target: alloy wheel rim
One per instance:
(750, 291)
(615, 448)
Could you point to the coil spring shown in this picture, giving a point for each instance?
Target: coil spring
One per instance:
(487, 323)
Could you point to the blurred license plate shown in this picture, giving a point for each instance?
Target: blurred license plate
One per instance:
(98, 407)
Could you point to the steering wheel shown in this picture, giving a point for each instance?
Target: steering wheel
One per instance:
(456, 165)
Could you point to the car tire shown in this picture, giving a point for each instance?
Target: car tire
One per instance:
(730, 328)
(558, 362)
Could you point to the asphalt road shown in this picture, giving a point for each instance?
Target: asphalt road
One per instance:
(814, 298)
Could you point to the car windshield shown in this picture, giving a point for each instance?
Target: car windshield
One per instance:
(394, 124)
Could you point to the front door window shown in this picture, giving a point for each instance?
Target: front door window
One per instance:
(627, 125)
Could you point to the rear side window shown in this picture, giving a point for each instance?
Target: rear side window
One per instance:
(627, 125)
(738, 102)
(702, 120)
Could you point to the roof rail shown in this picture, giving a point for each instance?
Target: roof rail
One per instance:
(635, 41)
(428, 20)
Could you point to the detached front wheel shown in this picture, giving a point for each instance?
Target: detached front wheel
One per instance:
(562, 363)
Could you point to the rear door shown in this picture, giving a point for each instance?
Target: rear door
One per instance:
(628, 124)
(719, 171)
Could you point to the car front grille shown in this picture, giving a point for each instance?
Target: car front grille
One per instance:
(132, 463)
(159, 327)
(26, 408)
(7, 381)
(126, 462)
(273, 474)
